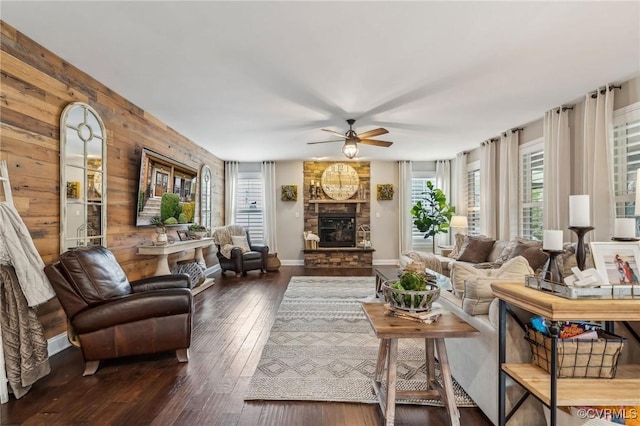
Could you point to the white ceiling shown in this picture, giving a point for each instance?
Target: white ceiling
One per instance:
(255, 81)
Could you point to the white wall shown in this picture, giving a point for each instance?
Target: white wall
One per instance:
(290, 217)
(384, 215)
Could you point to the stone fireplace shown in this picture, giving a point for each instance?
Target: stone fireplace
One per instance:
(336, 222)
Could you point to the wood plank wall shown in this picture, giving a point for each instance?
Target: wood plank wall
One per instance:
(36, 85)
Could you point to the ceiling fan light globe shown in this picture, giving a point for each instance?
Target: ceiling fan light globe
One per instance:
(350, 149)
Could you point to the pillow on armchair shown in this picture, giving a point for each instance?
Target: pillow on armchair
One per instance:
(241, 241)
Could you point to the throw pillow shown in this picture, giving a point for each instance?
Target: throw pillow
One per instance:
(532, 251)
(478, 295)
(241, 241)
(513, 269)
(456, 248)
(506, 251)
(475, 249)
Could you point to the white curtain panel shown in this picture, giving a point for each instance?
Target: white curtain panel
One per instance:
(443, 181)
(230, 188)
(404, 202)
(597, 169)
(488, 189)
(557, 171)
(460, 193)
(270, 200)
(508, 202)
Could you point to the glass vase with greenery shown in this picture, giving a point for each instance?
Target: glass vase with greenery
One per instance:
(432, 214)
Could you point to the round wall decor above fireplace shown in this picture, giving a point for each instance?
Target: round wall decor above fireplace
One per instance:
(340, 181)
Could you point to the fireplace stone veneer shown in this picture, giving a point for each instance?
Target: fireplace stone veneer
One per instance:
(336, 257)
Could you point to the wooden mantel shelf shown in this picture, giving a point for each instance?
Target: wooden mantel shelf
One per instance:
(349, 201)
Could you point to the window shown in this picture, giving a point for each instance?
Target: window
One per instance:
(626, 158)
(531, 189)
(418, 186)
(473, 198)
(250, 205)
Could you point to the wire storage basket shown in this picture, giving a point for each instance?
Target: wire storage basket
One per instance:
(581, 358)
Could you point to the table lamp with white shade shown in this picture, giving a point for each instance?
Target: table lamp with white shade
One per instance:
(458, 222)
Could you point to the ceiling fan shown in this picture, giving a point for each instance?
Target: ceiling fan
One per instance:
(352, 139)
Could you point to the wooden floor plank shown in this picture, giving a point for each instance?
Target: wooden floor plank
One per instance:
(231, 325)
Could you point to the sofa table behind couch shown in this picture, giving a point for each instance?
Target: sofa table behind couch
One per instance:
(622, 390)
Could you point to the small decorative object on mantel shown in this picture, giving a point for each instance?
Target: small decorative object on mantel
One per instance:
(385, 191)
(289, 192)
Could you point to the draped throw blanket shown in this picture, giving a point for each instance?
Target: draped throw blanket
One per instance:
(25, 346)
(222, 237)
(24, 257)
(23, 286)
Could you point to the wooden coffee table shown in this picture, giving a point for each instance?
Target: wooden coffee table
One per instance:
(385, 273)
(389, 330)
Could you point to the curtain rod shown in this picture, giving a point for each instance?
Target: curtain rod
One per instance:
(564, 108)
(603, 91)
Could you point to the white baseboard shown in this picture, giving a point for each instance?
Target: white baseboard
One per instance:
(57, 344)
(292, 262)
(212, 269)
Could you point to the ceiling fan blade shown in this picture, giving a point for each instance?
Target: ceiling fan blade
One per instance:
(312, 143)
(335, 133)
(375, 142)
(372, 133)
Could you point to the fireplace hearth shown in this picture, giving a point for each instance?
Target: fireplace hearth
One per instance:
(337, 229)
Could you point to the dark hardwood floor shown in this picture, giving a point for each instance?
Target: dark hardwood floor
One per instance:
(231, 325)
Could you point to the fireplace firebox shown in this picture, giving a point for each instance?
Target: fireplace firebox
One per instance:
(337, 229)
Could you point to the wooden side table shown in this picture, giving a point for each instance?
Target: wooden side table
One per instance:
(389, 330)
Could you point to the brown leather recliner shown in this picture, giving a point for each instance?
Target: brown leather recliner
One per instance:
(239, 262)
(113, 317)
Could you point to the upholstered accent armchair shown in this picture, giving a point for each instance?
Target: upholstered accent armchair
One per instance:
(113, 317)
(236, 252)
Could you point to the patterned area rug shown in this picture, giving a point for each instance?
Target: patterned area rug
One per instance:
(322, 348)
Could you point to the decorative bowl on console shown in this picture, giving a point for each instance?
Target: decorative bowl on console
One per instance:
(197, 231)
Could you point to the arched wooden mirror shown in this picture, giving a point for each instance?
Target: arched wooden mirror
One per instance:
(83, 189)
(205, 196)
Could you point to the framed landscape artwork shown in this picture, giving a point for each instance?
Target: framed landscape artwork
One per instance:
(617, 261)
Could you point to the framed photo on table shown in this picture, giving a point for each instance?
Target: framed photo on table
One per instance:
(618, 262)
(183, 235)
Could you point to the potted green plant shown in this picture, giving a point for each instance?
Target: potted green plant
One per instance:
(432, 214)
(197, 231)
(161, 231)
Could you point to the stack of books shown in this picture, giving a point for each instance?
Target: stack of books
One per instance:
(424, 317)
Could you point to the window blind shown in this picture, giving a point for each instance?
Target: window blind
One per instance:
(473, 200)
(418, 186)
(250, 205)
(531, 191)
(626, 160)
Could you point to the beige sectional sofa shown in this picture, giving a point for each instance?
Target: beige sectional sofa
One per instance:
(474, 361)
